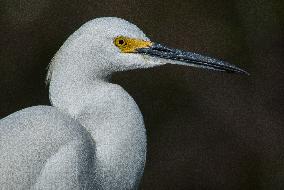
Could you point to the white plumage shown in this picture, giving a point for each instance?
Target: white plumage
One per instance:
(93, 135)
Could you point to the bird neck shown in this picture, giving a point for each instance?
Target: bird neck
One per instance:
(111, 116)
(72, 77)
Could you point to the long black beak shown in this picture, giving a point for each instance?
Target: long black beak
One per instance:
(188, 58)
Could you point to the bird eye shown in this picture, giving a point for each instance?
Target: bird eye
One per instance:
(120, 41)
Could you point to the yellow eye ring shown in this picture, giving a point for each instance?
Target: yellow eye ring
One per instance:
(120, 41)
(130, 45)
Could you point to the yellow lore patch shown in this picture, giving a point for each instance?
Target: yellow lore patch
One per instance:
(130, 45)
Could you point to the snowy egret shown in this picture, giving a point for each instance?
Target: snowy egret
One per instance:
(93, 135)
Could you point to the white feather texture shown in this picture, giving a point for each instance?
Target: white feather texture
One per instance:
(93, 135)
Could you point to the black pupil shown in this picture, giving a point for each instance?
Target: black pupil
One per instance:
(121, 42)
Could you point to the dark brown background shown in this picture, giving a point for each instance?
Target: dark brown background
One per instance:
(206, 130)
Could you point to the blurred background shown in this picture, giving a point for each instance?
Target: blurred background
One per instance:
(206, 130)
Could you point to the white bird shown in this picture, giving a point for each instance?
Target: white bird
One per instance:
(93, 135)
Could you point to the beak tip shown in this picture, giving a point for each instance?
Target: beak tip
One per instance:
(243, 72)
(246, 73)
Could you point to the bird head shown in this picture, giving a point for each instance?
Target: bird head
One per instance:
(111, 44)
